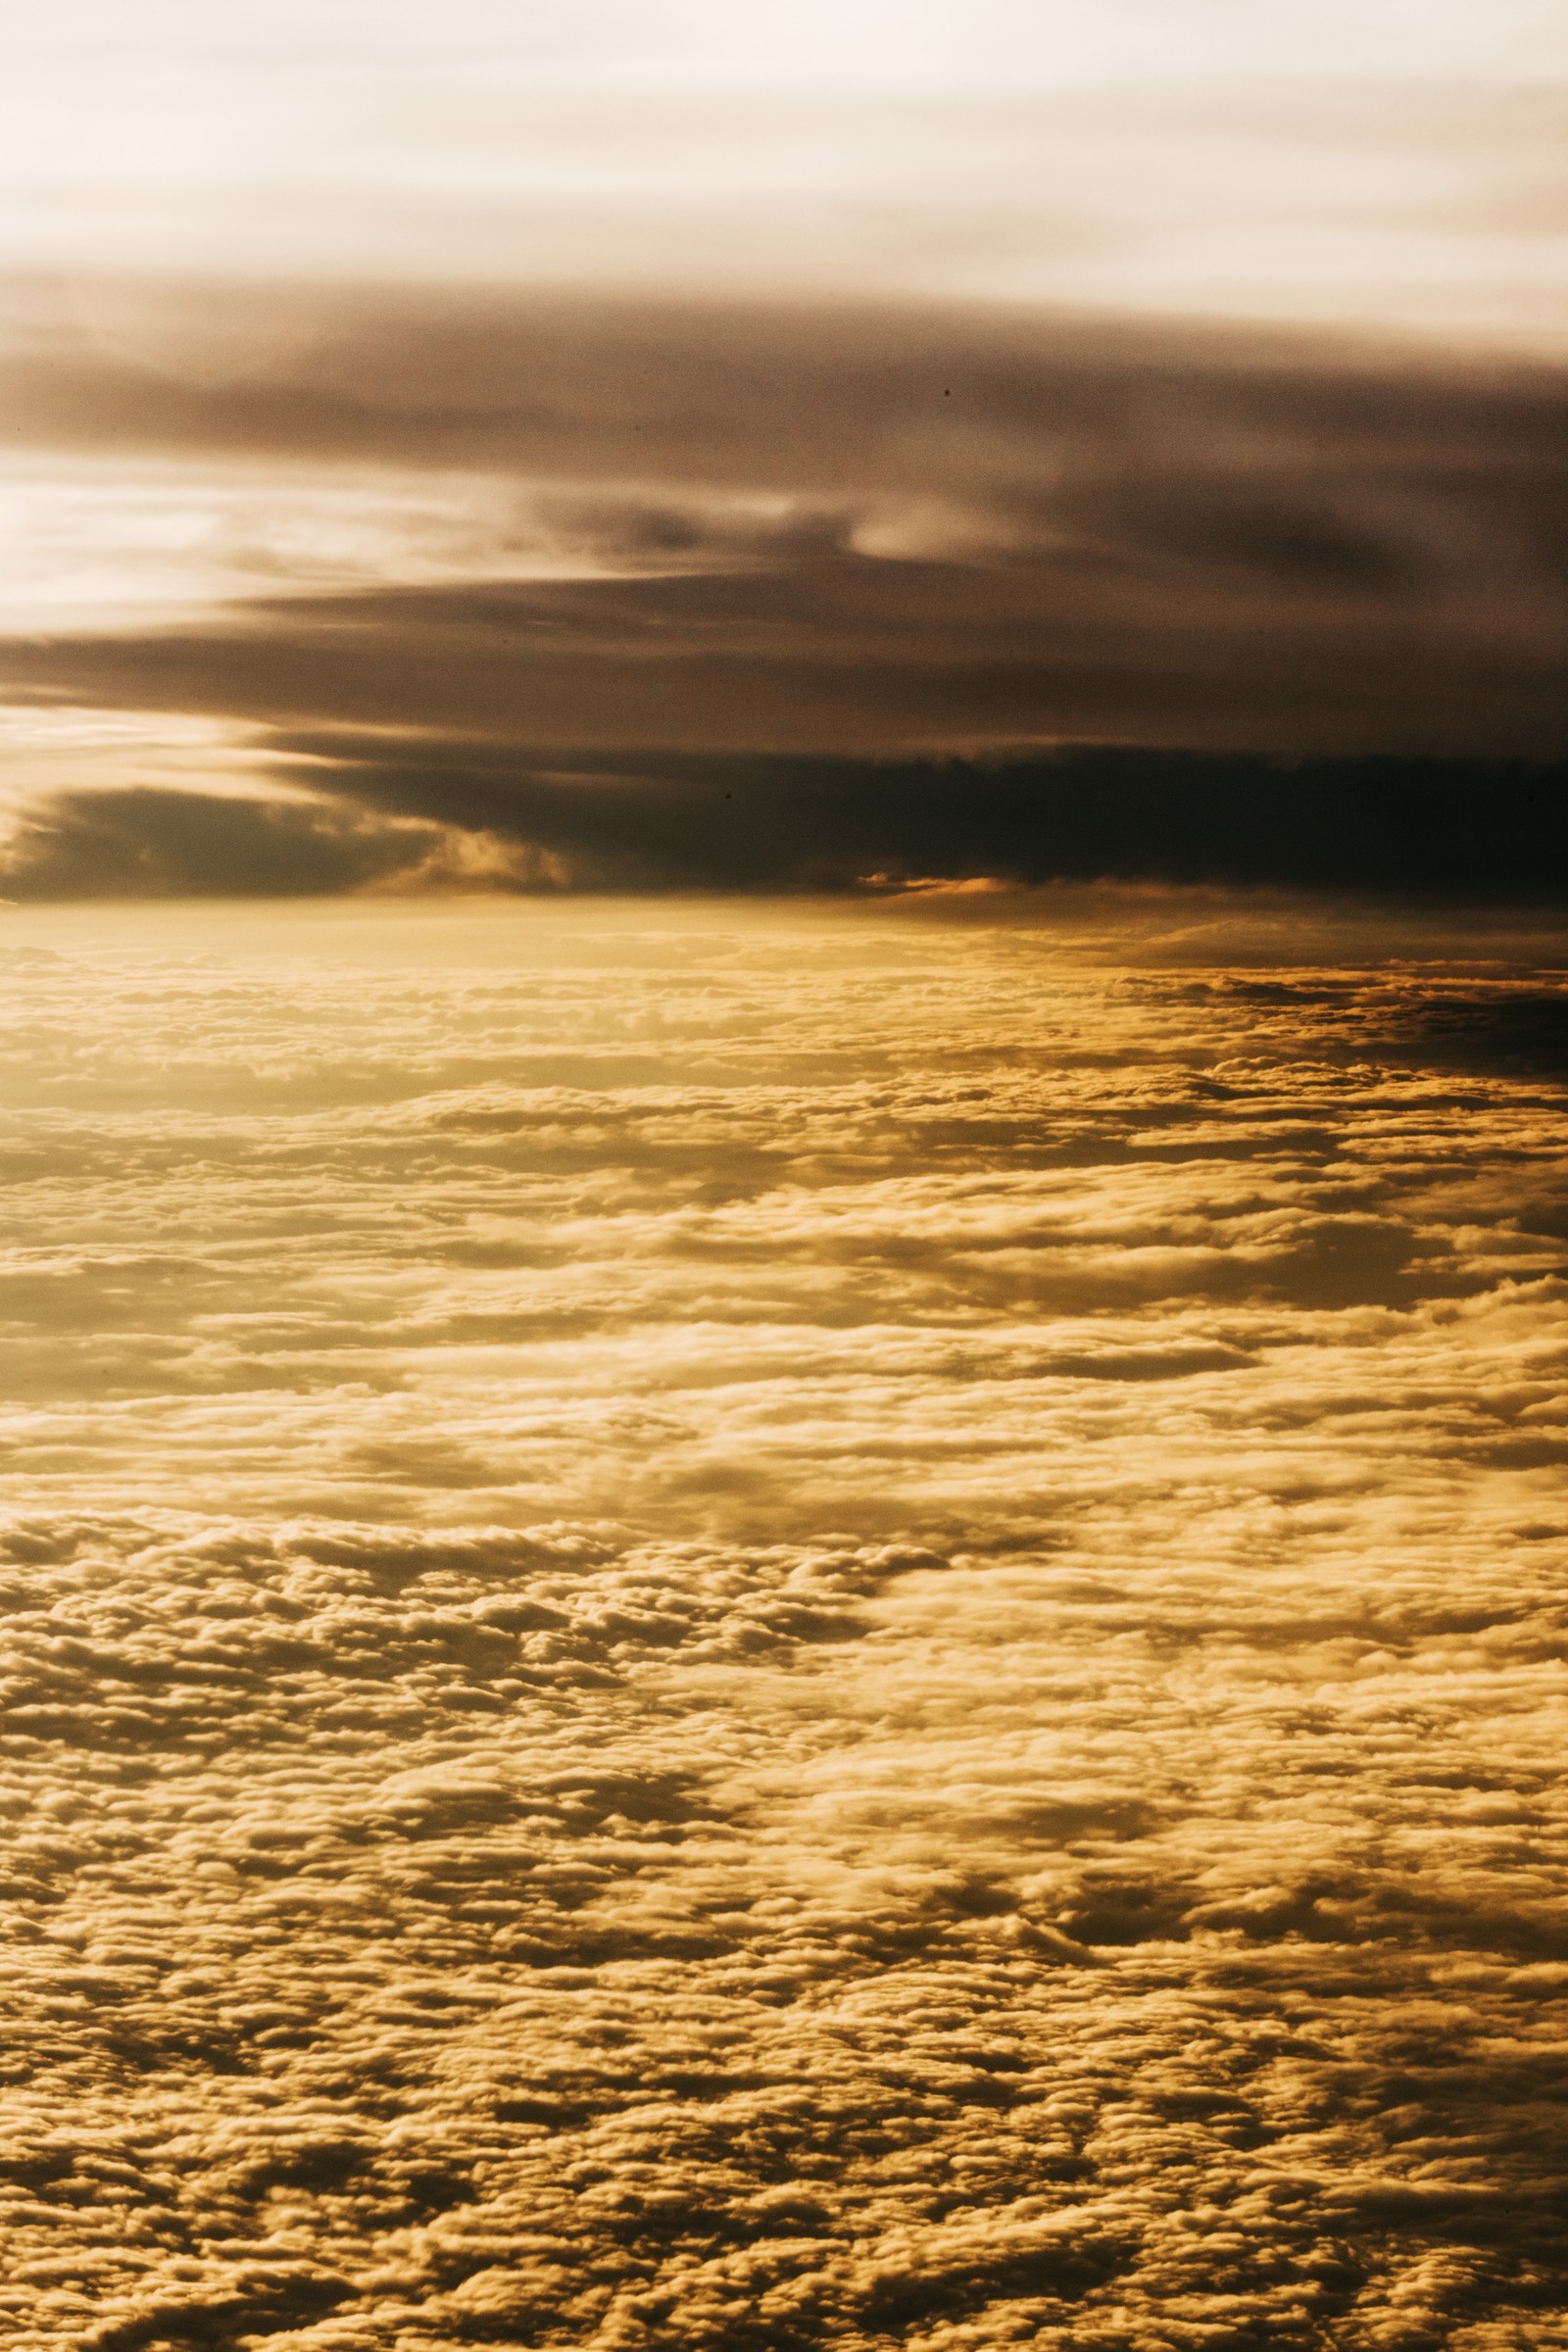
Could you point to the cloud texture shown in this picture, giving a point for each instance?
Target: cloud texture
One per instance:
(393, 588)
(539, 523)
(817, 1631)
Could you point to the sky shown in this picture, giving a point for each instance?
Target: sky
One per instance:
(782, 858)
(414, 414)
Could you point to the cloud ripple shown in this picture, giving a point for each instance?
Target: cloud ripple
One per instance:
(813, 1630)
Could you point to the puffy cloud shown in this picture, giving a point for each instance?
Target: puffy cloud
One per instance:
(776, 1631)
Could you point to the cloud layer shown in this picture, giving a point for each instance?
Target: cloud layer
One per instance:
(393, 588)
(1458, 830)
(813, 1630)
(544, 523)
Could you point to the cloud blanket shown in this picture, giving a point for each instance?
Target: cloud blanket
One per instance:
(813, 1630)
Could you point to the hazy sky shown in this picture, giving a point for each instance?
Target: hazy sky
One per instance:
(386, 385)
(1386, 163)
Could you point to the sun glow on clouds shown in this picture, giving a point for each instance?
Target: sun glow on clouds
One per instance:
(823, 1628)
(734, 1626)
(105, 544)
(47, 753)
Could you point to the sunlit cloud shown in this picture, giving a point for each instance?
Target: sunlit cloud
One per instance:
(782, 853)
(753, 1622)
(111, 543)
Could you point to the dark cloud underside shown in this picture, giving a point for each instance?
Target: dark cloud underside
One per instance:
(1454, 829)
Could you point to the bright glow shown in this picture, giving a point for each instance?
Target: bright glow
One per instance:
(1388, 164)
(113, 544)
(48, 750)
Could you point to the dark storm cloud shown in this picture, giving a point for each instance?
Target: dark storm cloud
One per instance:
(1381, 824)
(854, 528)
(1453, 829)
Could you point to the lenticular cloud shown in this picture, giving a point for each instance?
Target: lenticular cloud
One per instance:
(827, 1631)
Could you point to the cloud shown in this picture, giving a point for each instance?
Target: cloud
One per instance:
(832, 530)
(1460, 828)
(430, 818)
(774, 1631)
(147, 843)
